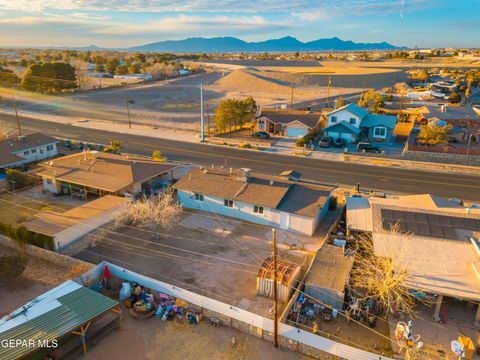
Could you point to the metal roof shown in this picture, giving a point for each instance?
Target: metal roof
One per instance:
(51, 316)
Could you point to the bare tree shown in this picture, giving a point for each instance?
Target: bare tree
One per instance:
(4, 130)
(157, 212)
(379, 278)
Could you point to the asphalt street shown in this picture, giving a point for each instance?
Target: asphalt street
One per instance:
(466, 187)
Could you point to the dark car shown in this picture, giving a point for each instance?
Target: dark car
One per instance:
(340, 142)
(261, 135)
(365, 147)
(325, 141)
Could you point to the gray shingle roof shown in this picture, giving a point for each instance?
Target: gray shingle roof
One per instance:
(354, 109)
(345, 125)
(371, 120)
(281, 116)
(9, 147)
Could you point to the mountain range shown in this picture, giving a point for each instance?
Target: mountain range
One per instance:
(232, 44)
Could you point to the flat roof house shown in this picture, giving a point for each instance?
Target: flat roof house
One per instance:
(25, 149)
(288, 122)
(96, 173)
(354, 123)
(259, 198)
(435, 239)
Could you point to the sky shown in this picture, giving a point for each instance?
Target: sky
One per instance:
(124, 23)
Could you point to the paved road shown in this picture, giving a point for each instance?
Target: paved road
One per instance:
(462, 186)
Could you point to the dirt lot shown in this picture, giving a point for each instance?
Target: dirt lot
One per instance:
(155, 339)
(22, 206)
(38, 277)
(216, 256)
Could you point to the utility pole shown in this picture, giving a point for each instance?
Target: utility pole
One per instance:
(291, 96)
(208, 120)
(127, 102)
(202, 118)
(327, 103)
(16, 116)
(275, 290)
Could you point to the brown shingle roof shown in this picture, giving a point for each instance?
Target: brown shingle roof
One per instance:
(264, 190)
(109, 172)
(281, 116)
(10, 146)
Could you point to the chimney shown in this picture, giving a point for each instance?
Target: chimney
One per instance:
(244, 174)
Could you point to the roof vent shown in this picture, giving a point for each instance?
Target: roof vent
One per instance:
(272, 182)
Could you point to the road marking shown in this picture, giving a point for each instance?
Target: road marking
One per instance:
(384, 178)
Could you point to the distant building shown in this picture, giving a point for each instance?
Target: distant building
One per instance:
(354, 123)
(25, 149)
(276, 201)
(144, 77)
(288, 122)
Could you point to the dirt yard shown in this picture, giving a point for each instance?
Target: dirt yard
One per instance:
(155, 339)
(16, 208)
(208, 254)
(38, 277)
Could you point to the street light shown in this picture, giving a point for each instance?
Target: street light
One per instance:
(127, 102)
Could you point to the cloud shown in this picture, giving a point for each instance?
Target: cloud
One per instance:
(185, 23)
(312, 15)
(317, 7)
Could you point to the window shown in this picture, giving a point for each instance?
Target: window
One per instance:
(353, 121)
(258, 209)
(380, 132)
(228, 203)
(261, 124)
(41, 151)
(334, 119)
(198, 197)
(26, 152)
(49, 147)
(49, 181)
(34, 151)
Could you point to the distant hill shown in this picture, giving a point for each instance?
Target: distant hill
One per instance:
(232, 44)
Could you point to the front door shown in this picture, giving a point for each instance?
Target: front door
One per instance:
(284, 220)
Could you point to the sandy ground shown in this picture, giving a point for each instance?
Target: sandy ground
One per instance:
(209, 254)
(155, 339)
(38, 277)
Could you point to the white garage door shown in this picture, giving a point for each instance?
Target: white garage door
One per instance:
(296, 131)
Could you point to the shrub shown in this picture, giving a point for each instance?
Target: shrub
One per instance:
(23, 236)
(245, 145)
(300, 142)
(18, 178)
(333, 203)
(12, 266)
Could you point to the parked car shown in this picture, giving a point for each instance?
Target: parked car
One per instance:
(340, 142)
(261, 135)
(365, 147)
(325, 141)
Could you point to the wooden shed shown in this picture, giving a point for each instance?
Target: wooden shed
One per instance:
(328, 276)
(287, 278)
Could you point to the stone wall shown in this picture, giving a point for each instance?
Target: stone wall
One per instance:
(47, 255)
(442, 158)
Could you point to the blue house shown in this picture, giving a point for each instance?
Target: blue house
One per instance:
(354, 123)
(279, 201)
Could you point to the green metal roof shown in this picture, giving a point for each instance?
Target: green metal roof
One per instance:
(74, 309)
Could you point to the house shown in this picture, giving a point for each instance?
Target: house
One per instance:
(354, 123)
(328, 276)
(435, 239)
(287, 278)
(71, 225)
(96, 173)
(288, 122)
(25, 149)
(275, 201)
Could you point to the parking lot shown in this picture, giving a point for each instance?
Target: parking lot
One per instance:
(206, 253)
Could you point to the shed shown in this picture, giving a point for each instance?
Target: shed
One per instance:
(328, 276)
(287, 276)
(66, 309)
